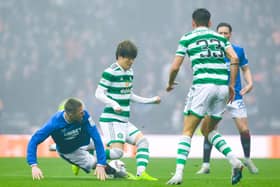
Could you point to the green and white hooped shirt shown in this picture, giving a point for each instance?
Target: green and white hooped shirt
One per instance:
(118, 86)
(206, 50)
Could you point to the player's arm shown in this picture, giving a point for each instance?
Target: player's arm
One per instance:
(35, 140)
(101, 91)
(234, 65)
(100, 94)
(248, 79)
(175, 67)
(95, 136)
(144, 100)
(247, 75)
(100, 151)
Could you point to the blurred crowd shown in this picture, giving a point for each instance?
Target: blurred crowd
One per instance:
(54, 49)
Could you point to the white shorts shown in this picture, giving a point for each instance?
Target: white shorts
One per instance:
(206, 99)
(237, 109)
(117, 132)
(81, 157)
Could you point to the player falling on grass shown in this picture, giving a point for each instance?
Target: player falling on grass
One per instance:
(237, 108)
(91, 149)
(115, 90)
(71, 130)
(210, 90)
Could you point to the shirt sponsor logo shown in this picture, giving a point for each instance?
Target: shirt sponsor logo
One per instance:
(70, 135)
(125, 91)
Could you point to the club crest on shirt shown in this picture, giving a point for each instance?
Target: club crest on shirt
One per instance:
(120, 135)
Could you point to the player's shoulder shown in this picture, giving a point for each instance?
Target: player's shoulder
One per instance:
(58, 115)
(238, 48)
(57, 119)
(88, 118)
(113, 68)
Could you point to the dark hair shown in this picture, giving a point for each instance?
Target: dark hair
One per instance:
(126, 49)
(224, 24)
(71, 105)
(201, 17)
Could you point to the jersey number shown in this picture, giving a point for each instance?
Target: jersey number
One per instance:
(205, 47)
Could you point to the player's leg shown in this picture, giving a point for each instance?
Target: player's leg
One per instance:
(207, 148)
(195, 109)
(75, 169)
(221, 145)
(215, 112)
(86, 161)
(190, 124)
(90, 148)
(81, 158)
(115, 151)
(136, 137)
(114, 136)
(239, 115)
(245, 137)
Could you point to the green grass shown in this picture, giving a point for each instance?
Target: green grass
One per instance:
(15, 172)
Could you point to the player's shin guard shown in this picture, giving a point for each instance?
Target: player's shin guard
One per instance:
(218, 141)
(183, 150)
(114, 153)
(142, 155)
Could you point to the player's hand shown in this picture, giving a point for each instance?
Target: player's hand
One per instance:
(100, 173)
(118, 109)
(37, 174)
(157, 99)
(246, 90)
(171, 87)
(231, 94)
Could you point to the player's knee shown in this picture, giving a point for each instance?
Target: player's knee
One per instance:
(245, 133)
(142, 143)
(116, 153)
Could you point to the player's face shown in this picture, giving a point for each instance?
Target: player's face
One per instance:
(125, 62)
(224, 31)
(78, 115)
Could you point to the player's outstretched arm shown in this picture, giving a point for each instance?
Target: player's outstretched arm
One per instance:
(144, 100)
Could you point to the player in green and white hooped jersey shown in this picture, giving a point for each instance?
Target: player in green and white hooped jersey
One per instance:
(209, 92)
(115, 90)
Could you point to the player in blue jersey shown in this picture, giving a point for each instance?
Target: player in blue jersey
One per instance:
(71, 130)
(237, 108)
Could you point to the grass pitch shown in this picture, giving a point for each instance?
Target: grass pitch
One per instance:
(14, 172)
